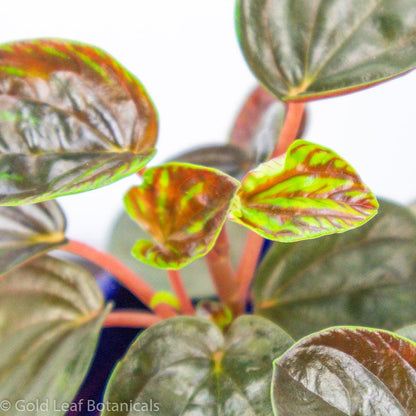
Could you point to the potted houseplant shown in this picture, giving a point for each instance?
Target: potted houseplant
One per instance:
(73, 119)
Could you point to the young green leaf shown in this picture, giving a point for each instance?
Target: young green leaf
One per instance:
(408, 332)
(364, 277)
(307, 49)
(183, 207)
(29, 230)
(71, 119)
(307, 193)
(345, 372)
(51, 315)
(186, 366)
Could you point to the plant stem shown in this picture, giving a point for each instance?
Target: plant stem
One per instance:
(178, 287)
(248, 265)
(143, 291)
(222, 272)
(254, 244)
(131, 319)
(294, 115)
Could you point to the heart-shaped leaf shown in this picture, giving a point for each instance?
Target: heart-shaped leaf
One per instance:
(183, 207)
(71, 119)
(363, 277)
(29, 230)
(307, 193)
(188, 367)
(345, 372)
(306, 49)
(51, 314)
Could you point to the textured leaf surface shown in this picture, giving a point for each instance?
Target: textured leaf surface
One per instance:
(306, 49)
(51, 313)
(307, 193)
(346, 372)
(364, 277)
(29, 230)
(71, 119)
(189, 368)
(183, 207)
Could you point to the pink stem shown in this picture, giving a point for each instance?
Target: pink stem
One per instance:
(178, 287)
(131, 319)
(143, 291)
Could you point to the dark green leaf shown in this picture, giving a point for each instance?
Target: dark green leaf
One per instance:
(363, 277)
(71, 119)
(183, 207)
(306, 193)
(188, 367)
(306, 49)
(346, 372)
(29, 230)
(51, 314)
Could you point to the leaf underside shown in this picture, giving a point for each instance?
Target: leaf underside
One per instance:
(307, 49)
(29, 230)
(307, 193)
(51, 315)
(71, 119)
(183, 207)
(345, 372)
(364, 277)
(189, 368)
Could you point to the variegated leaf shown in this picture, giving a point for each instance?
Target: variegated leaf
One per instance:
(307, 193)
(183, 207)
(71, 119)
(29, 230)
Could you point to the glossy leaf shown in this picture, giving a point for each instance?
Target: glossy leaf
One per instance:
(51, 314)
(29, 230)
(307, 193)
(183, 207)
(306, 49)
(363, 277)
(346, 371)
(229, 159)
(188, 367)
(71, 119)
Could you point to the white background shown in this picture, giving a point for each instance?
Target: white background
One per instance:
(186, 54)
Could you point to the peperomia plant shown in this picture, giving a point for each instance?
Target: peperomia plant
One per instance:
(72, 119)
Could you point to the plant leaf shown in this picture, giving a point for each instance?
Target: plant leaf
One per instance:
(346, 371)
(363, 277)
(258, 126)
(183, 207)
(307, 49)
(229, 159)
(28, 231)
(408, 332)
(307, 193)
(71, 119)
(51, 314)
(188, 367)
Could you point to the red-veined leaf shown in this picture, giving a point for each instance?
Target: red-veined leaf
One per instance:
(71, 119)
(306, 193)
(183, 207)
